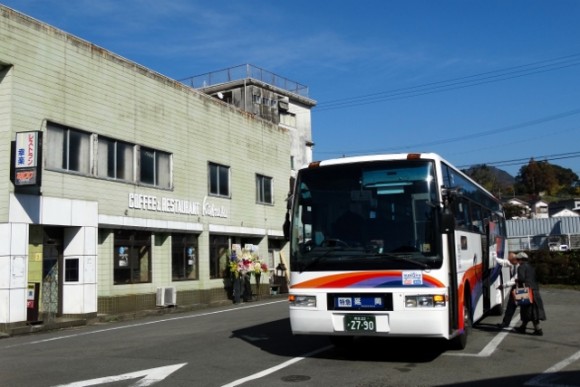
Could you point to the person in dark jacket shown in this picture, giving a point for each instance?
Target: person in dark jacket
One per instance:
(533, 312)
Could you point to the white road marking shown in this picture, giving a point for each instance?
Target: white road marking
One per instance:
(244, 306)
(150, 377)
(490, 348)
(543, 379)
(271, 370)
(487, 351)
(539, 381)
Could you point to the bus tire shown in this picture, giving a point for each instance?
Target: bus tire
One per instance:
(460, 342)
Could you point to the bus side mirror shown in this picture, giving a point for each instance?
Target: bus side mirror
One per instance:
(447, 217)
(286, 226)
(447, 220)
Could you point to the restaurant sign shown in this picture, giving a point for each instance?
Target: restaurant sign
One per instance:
(176, 206)
(27, 156)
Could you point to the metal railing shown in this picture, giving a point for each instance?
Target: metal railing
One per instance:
(243, 72)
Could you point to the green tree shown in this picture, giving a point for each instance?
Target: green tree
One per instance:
(538, 177)
(489, 178)
(567, 180)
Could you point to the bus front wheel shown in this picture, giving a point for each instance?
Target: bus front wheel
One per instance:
(460, 342)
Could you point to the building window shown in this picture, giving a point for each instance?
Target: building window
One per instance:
(115, 159)
(68, 149)
(155, 167)
(264, 189)
(219, 180)
(184, 260)
(71, 150)
(218, 256)
(71, 270)
(132, 257)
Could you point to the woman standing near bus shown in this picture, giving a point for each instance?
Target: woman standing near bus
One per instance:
(533, 312)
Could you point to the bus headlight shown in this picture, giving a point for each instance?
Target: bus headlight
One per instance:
(425, 301)
(302, 301)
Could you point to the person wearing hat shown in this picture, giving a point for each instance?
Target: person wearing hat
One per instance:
(533, 312)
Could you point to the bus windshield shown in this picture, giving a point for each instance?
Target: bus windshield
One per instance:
(374, 215)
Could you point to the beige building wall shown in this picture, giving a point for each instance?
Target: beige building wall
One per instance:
(48, 75)
(5, 134)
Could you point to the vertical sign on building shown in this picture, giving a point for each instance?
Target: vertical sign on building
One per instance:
(27, 159)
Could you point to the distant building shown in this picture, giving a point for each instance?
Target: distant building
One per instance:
(563, 212)
(559, 207)
(544, 233)
(539, 210)
(524, 207)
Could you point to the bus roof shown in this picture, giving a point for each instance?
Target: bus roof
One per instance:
(393, 156)
(378, 157)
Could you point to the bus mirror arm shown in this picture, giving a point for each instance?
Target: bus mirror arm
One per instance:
(447, 220)
(289, 202)
(286, 226)
(449, 194)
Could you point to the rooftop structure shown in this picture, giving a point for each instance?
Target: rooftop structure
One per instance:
(245, 71)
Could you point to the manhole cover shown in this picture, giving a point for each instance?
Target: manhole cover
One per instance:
(295, 378)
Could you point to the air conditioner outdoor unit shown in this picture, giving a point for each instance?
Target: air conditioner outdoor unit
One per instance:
(166, 296)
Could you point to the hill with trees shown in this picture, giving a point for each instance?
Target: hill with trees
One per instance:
(535, 180)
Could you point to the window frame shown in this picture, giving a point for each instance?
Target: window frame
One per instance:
(123, 163)
(184, 266)
(76, 151)
(219, 255)
(159, 178)
(131, 248)
(65, 154)
(264, 189)
(216, 173)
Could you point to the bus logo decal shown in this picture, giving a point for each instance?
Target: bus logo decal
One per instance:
(412, 278)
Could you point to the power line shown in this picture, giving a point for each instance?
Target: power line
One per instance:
(455, 83)
(520, 161)
(469, 81)
(475, 135)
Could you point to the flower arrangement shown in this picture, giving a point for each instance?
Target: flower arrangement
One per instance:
(246, 262)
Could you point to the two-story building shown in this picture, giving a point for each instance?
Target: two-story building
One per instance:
(121, 189)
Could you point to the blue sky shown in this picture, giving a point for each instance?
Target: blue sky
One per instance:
(490, 81)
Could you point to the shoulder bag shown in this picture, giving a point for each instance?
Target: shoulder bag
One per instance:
(523, 295)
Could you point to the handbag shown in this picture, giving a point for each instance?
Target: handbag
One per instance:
(523, 295)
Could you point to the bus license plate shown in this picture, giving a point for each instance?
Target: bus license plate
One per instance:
(359, 323)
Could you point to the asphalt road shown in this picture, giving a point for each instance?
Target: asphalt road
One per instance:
(251, 345)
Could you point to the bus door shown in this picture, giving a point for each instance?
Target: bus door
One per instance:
(495, 248)
(469, 250)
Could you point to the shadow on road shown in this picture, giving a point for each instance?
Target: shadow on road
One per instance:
(276, 338)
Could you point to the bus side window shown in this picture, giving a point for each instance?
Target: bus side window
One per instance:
(462, 219)
(476, 218)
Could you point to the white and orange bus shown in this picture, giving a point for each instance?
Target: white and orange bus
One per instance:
(399, 245)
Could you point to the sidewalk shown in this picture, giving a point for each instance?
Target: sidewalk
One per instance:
(68, 322)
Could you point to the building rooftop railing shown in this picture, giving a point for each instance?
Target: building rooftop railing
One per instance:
(243, 72)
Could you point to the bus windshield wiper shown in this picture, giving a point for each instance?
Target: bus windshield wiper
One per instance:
(321, 257)
(404, 258)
